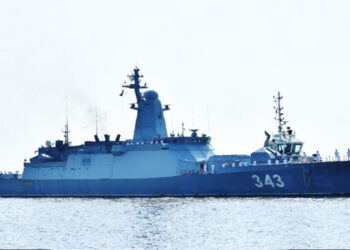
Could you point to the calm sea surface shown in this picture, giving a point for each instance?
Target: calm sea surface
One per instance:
(233, 223)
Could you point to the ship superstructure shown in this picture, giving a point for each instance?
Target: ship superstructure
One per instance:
(284, 141)
(153, 163)
(150, 154)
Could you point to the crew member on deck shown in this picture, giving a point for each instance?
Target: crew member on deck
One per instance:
(205, 169)
(201, 169)
(337, 156)
(213, 169)
(318, 157)
(304, 157)
(348, 154)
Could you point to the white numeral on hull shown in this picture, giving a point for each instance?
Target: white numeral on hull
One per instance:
(275, 181)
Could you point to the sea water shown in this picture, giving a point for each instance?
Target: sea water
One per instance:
(175, 223)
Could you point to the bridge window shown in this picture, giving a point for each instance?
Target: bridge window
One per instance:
(281, 148)
(296, 148)
(288, 148)
(86, 161)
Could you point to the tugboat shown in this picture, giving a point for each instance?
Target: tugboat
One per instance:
(155, 164)
(284, 142)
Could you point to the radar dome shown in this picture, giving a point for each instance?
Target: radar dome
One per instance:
(150, 95)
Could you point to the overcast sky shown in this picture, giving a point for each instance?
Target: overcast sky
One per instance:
(218, 63)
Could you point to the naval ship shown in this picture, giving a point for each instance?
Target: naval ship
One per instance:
(155, 164)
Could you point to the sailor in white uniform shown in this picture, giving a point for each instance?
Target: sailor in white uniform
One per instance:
(213, 169)
(205, 169)
(318, 157)
(304, 157)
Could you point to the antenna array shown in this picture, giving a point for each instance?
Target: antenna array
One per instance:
(279, 115)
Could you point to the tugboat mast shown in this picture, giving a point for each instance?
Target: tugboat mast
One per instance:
(279, 115)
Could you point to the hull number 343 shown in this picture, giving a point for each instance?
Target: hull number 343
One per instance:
(274, 181)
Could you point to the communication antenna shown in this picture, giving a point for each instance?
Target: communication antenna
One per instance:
(135, 80)
(66, 127)
(279, 115)
(96, 120)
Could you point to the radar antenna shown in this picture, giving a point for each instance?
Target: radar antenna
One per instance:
(279, 115)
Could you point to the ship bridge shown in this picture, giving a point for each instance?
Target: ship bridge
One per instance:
(284, 141)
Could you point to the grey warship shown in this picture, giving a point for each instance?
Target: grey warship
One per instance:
(155, 164)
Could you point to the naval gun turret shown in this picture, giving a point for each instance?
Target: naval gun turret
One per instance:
(150, 122)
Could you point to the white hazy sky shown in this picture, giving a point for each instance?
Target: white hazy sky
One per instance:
(218, 63)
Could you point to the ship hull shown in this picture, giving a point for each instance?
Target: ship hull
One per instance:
(318, 179)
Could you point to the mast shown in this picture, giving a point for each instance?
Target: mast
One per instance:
(279, 115)
(96, 121)
(150, 122)
(66, 128)
(135, 79)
